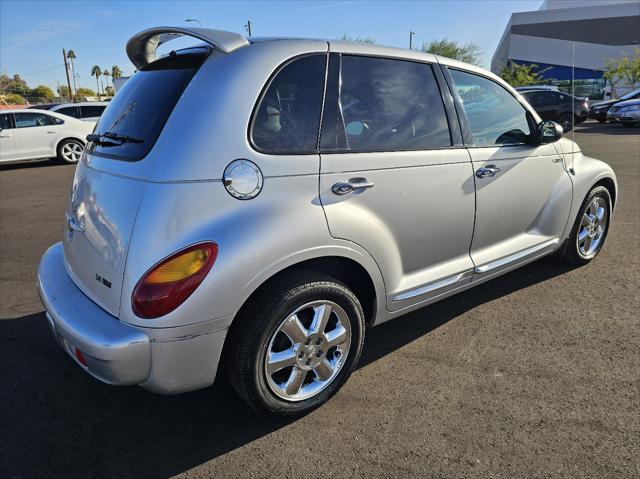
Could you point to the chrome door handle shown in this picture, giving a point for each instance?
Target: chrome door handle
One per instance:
(354, 184)
(488, 171)
(51, 132)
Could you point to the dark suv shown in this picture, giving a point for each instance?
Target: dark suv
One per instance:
(558, 106)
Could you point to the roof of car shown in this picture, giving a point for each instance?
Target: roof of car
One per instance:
(81, 103)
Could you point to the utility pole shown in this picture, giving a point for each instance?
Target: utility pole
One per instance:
(248, 27)
(411, 34)
(66, 69)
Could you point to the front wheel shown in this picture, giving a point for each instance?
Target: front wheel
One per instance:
(295, 344)
(590, 229)
(70, 151)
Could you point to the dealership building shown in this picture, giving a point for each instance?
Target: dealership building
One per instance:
(601, 29)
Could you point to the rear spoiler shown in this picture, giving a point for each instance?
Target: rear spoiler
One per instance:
(141, 48)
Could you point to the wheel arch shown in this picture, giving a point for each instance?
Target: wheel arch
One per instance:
(610, 185)
(69, 137)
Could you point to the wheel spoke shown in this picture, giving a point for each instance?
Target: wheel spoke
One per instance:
(593, 208)
(296, 332)
(280, 360)
(294, 383)
(321, 316)
(600, 212)
(584, 234)
(336, 336)
(587, 244)
(586, 220)
(324, 370)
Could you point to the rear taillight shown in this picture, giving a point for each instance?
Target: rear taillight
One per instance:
(170, 282)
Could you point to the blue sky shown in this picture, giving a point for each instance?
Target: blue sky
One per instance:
(32, 34)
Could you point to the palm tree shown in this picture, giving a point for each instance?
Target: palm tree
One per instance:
(106, 75)
(71, 55)
(116, 72)
(96, 71)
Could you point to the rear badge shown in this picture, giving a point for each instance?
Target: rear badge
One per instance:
(102, 280)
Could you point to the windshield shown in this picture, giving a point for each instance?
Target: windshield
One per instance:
(143, 105)
(631, 95)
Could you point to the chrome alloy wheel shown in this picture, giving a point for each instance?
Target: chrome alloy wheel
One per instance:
(71, 151)
(593, 226)
(308, 350)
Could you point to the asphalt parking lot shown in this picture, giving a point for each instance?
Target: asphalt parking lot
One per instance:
(535, 374)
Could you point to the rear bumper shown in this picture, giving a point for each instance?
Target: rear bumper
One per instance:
(113, 351)
(163, 360)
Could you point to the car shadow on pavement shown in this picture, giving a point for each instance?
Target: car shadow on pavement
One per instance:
(606, 129)
(30, 164)
(57, 421)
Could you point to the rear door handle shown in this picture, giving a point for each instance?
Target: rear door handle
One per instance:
(354, 184)
(51, 132)
(488, 171)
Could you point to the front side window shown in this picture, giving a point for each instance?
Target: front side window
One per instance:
(92, 111)
(30, 120)
(391, 105)
(72, 111)
(495, 117)
(5, 122)
(287, 119)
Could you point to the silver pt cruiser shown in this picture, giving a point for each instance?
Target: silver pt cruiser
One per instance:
(257, 203)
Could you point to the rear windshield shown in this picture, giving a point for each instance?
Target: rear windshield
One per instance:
(137, 114)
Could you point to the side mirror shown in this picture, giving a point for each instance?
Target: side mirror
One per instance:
(355, 128)
(549, 132)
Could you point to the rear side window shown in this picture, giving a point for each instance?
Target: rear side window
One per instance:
(495, 117)
(390, 105)
(143, 105)
(287, 118)
(69, 111)
(31, 120)
(5, 122)
(92, 111)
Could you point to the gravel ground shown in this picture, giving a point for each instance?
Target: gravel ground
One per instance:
(535, 374)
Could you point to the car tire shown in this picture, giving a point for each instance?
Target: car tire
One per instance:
(590, 228)
(567, 122)
(277, 328)
(70, 151)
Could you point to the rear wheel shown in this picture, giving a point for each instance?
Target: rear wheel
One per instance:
(70, 151)
(294, 346)
(590, 229)
(566, 121)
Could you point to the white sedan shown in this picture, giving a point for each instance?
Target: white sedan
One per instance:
(36, 134)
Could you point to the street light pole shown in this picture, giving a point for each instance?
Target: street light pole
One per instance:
(66, 69)
(411, 34)
(248, 27)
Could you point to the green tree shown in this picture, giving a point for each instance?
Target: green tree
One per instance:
(521, 75)
(116, 72)
(96, 71)
(347, 38)
(469, 52)
(84, 92)
(12, 99)
(44, 92)
(13, 84)
(106, 74)
(625, 69)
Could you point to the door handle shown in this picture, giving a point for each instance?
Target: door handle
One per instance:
(51, 132)
(5, 136)
(488, 171)
(354, 184)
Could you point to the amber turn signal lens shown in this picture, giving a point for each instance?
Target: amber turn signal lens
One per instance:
(170, 282)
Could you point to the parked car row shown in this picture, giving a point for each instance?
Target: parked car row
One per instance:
(32, 134)
(625, 109)
(85, 111)
(558, 106)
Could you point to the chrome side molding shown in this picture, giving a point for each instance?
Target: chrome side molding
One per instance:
(436, 285)
(485, 268)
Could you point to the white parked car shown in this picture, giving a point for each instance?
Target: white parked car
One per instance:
(36, 134)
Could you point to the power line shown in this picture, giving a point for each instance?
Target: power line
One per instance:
(41, 71)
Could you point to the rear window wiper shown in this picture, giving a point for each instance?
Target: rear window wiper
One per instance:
(118, 140)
